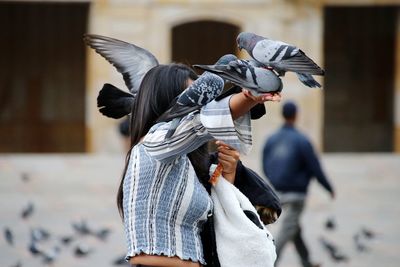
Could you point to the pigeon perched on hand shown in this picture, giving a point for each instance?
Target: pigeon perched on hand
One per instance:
(244, 74)
(281, 57)
(132, 61)
(202, 91)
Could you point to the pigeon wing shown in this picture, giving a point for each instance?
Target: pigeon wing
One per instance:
(299, 63)
(132, 61)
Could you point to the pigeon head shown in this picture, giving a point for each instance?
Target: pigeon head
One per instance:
(225, 59)
(247, 40)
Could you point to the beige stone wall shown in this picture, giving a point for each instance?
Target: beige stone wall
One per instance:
(148, 23)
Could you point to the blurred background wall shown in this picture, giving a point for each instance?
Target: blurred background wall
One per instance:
(49, 80)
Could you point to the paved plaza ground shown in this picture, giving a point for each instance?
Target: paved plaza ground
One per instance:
(70, 188)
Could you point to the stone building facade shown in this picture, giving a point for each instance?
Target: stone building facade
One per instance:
(151, 24)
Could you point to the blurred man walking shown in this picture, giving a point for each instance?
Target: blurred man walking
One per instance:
(289, 162)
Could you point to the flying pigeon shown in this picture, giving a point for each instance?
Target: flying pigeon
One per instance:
(242, 73)
(132, 61)
(281, 57)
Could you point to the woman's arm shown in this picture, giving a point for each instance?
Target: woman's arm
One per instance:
(242, 102)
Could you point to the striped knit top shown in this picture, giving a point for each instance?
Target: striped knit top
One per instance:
(164, 203)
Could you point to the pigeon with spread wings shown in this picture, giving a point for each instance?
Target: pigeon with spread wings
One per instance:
(132, 61)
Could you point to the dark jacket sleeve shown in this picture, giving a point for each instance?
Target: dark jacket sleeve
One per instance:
(314, 165)
(256, 189)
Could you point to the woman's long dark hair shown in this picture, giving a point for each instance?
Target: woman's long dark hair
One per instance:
(159, 87)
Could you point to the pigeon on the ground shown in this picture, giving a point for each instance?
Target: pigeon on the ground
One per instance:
(82, 250)
(132, 61)
(39, 234)
(367, 233)
(121, 261)
(27, 211)
(50, 256)
(82, 228)
(242, 73)
(9, 236)
(102, 234)
(281, 57)
(34, 248)
(330, 224)
(66, 240)
(360, 245)
(333, 251)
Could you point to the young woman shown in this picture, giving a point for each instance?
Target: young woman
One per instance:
(161, 198)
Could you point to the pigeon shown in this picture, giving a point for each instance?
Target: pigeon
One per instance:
(66, 240)
(27, 211)
(39, 234)
(113, 102)
(9, 236)
(281, 57)
(82, 228)
(34, 248)
(82, 250)
(202, 91)
(367, 233)
(121, 261)
(258, 80)
(102, 234)
(132, 61)
(333, 251)
(51, 255)
(330, 224)
(360, 246)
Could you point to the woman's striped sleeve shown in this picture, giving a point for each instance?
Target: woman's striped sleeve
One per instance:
(214, 121)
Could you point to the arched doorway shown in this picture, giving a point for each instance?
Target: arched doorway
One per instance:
(203, 42)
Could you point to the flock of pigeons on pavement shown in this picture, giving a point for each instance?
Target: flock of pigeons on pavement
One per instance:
(46, 247)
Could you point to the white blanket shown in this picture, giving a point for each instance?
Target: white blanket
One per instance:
(240, 243)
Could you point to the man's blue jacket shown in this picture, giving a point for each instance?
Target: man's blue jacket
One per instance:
(290, 162)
